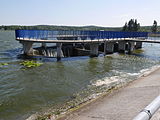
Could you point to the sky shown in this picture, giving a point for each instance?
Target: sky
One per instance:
(107, 13)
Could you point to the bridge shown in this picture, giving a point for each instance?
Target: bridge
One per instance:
(125, 40)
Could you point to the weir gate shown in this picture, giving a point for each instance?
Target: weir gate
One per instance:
(90, 42)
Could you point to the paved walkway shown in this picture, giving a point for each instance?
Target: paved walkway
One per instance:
(122, 104)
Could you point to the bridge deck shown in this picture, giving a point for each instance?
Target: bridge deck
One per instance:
(145, 40)
(88, 41)
(69, 41)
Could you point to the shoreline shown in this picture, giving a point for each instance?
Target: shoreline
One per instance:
(106, 94)
(76, 109)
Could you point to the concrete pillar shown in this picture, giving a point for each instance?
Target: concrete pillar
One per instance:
(94, 49)
(122, 46)
(138, 45)
(74, 44)
(131, 46)
(44, 45)
(105, 47)
(59, 51)
(110, 47)
(27, 47)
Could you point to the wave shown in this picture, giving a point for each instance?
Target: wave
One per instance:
(145, 72)
(106, 81)
(124, 76)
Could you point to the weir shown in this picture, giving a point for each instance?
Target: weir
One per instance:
(72, 39)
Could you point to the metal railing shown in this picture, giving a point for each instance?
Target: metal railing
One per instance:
(76, 35)
(149, 111)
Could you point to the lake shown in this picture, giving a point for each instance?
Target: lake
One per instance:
(26, 91)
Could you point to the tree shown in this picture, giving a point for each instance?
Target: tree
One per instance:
(136, 25)
(125, 27)
(154, 27)
(5, 27)
(132, 25)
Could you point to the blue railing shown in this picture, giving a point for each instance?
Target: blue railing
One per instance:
(76, 35)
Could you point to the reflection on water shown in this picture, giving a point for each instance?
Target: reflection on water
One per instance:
(24, 92)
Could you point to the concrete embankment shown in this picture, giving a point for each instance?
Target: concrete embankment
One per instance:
(122, 104)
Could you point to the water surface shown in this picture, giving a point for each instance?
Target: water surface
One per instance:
(24, 92)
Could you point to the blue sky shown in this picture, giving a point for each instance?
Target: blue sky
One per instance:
(78, 12)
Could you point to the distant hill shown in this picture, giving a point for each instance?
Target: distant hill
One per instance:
(55, 27)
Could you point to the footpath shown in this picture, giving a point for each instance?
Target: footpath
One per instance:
(124, 103)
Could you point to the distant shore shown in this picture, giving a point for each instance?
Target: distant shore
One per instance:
(154, 35)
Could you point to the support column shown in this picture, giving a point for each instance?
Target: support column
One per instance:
(74, 44)
(131, 47)
(110, 47)
(27, 47)
(104, 47)
(138, 45)
(122, 45)
(59, 51)
(94, 49)
(44, 45)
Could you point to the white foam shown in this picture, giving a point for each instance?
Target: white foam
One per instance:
(125, 73)
(133, 74)
(145, 72)
(106, 81)
(123, 76)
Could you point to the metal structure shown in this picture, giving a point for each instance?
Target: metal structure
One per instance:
(148, 112)
(94, 38)
(76, 35)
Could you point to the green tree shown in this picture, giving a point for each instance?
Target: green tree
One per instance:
(125, 27)
(154, 27)
(132, 25)
(136, 25)
(5, 27)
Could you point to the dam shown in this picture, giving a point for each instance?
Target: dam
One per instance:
(90, 43)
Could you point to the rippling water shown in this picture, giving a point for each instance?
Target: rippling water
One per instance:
(23, 92)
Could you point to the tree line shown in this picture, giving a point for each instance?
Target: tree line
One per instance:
(134, 26)
(131, 25)
(54, 27)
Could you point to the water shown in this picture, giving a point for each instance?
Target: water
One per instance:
(24, 92)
